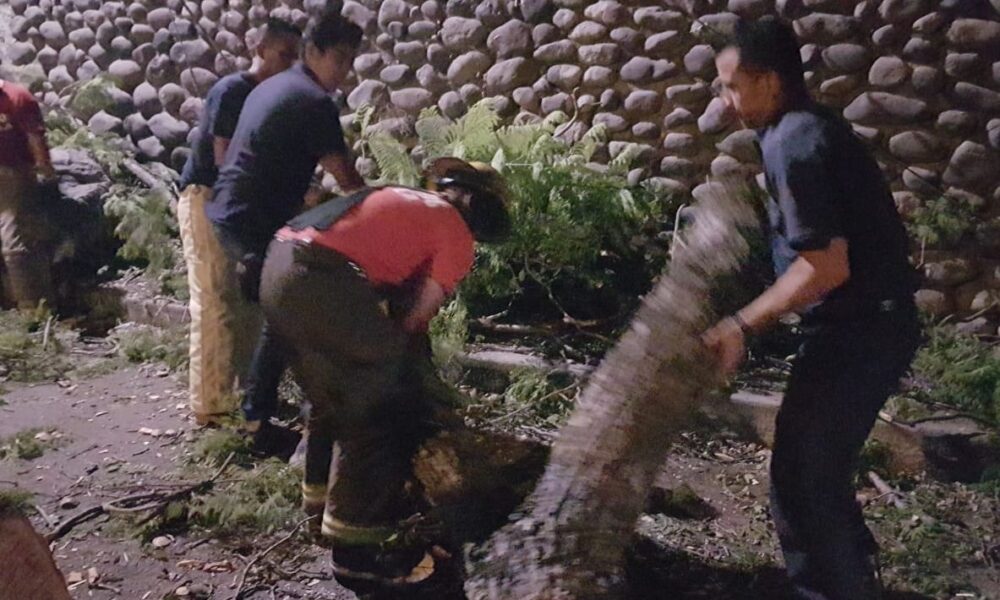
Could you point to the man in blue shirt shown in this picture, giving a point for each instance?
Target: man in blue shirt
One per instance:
(216, 329)
(288, 126)
(841, 255)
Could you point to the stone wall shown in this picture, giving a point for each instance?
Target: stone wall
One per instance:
(919, 79)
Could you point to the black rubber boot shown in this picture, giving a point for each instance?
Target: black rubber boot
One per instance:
(272, 440)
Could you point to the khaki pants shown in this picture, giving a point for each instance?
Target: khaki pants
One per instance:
(223, 326)
(22, 241)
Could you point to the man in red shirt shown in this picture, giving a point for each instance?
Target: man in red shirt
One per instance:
(24, 161)
(349, 288)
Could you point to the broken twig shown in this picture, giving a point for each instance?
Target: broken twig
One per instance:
(886, 490)
(112, 506)
(271, 548)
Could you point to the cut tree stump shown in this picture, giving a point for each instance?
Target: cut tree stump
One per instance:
(27, 570)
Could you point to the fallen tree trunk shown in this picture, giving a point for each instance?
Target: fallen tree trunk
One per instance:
(579, 519)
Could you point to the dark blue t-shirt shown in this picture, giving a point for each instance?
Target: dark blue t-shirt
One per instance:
(824, 184)
(288, 123)
(218, 119)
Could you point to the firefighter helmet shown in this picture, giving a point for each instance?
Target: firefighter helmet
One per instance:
(487, 216)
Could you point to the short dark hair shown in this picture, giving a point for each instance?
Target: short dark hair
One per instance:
(276, 27)
(768, 45)
(331, 29)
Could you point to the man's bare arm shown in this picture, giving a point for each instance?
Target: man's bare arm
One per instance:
(40, 154)
(429, 299)
(219, 147)
(813, 275)
(342, 168)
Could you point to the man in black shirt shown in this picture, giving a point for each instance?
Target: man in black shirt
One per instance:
(288, 126)
(218, 328)
(840, 252)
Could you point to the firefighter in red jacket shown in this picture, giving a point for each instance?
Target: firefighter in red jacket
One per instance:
(24, 163)
(350, 286)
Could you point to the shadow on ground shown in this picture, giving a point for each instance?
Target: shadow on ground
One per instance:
(657, 573)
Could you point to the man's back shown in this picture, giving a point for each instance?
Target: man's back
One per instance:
(824, 184)
(19, 116)
(288, 123)
(220, 114)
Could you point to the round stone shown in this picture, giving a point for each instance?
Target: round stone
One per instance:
(847, 58)
(511, 39)
(396, 75)
(410, 53)
(565, 77)
(460, 33)
(452, 105)
(629, 39)
(505, 76)
(700, 61)
(964, 65)
(977, 98)
(916, 147)
(599, 77)
(680, 143)
(885, 108)
(888, 72)
(412, 99)
(556, 52)
(588, 32)
(716, 118)
(127, 74)
(663, 44)
(468, 67)
(643, 102)
(974, 34)
(611, 122)
(921, 50)
(604, 55)
(608, 12)
(927, 81)
(973, 166)
(922, 181)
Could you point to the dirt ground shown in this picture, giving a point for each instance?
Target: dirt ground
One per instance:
(112, 435)
(121, 433)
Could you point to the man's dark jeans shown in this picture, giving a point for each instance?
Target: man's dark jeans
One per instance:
(842, 375)
(270, 358)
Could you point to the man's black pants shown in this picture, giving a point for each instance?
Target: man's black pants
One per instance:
(842, 376)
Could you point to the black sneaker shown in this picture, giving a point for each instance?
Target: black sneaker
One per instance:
(274, 441)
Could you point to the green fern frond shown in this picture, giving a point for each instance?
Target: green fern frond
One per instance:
(432, 131)
(364, 115)
(394, 162)
(475, 132)
(626, 157)
(517, 140)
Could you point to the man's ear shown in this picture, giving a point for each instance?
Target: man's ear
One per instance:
(773, 86)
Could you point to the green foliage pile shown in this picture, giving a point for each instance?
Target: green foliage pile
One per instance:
(25, 355)
(931, 545)
(23, 445)
(582, 242)
(143, 220)
(958, 371)
(147, 226)
(14, 501)
(144, 344)
(266, 499)
(941, 222)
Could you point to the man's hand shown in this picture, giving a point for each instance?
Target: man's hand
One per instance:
(728, 342)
